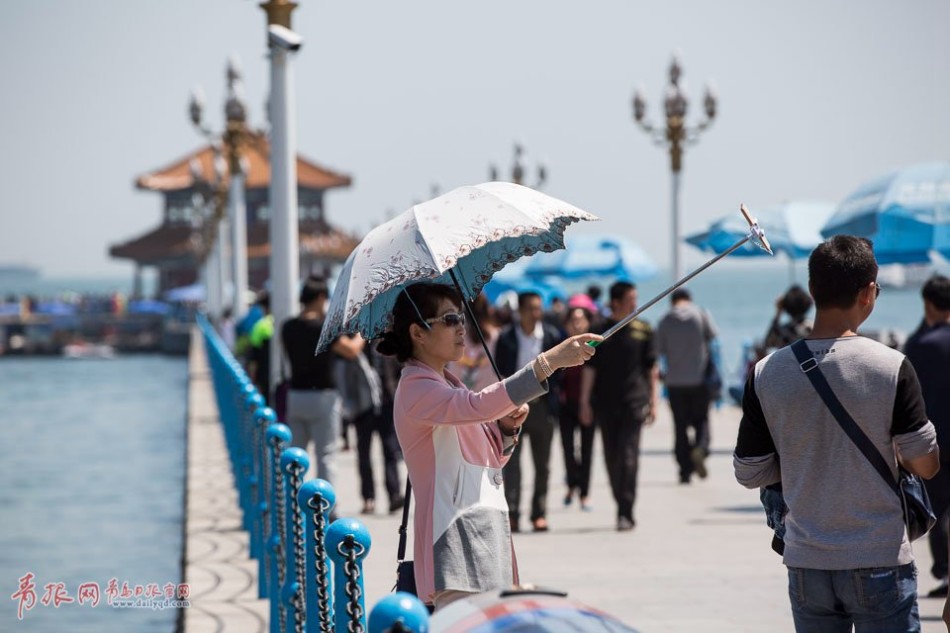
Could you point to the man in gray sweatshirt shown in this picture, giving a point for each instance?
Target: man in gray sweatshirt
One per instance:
(682, 338)
(846, 548)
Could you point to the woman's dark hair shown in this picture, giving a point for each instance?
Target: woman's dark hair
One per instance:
(796, 302)
(572, 309)
(839, 268)
(426, 296)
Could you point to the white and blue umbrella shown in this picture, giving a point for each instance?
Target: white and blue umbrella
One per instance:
(460, 238)
(595, 256)
(905, 213)
(794, 228)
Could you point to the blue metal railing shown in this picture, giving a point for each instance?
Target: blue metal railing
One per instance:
(309, 569)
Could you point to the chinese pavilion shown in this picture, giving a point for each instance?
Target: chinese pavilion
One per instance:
(173, 248)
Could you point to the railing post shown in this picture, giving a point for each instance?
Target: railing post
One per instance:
(399, 612)
(348, 542)
(244, 390)
(294, 463)
(317, 499)
(278, 436)
(253, 407)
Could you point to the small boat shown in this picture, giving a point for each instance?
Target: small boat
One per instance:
(88, 350)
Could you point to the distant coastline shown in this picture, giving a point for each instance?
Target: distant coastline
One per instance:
(18, 273)
(53, 287)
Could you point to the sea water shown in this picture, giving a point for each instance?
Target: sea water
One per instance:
(92, 460)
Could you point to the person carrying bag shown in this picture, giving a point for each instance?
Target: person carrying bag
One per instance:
(918, 513)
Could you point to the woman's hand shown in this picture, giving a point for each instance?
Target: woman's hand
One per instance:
(572, 351)
(510, 423)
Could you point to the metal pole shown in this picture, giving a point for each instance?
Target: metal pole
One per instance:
(675, 210)
(754, 231)
(213, 278)
(224, 269)
(284, 258)
(238, 216)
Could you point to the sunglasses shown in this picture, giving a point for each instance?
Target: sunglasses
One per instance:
(449, 319)
(877, 290)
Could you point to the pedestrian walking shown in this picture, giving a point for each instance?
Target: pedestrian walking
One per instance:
(314, 402)
(577, 438)
(928, 349)
(521, 341)
(683, 339)
(619, 389)
(845, 544)
(369, 385)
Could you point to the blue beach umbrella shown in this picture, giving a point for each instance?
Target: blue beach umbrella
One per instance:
(794, 228)
(905, 213)
(594, 256)
(193, 293)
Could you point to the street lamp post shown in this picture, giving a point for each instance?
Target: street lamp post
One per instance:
(228, 230)
(518, 170)
(284, 256)
(209, 201)
(675, 137)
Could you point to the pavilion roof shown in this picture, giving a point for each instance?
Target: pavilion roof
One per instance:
(178, 175)
(175, 241)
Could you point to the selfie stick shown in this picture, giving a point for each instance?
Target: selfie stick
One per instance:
(756, 234)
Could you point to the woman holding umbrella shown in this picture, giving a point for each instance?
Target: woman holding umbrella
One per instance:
(456, 441)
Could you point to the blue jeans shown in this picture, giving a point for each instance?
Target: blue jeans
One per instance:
(874, 600)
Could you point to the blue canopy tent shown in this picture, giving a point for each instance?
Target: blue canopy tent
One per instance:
(148, 306)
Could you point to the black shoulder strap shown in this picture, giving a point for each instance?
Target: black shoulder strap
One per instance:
(401, 551)
(809, 365)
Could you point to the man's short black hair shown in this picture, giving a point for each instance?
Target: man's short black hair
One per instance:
(313, 288)
(839, 268)
(937, 292)
(620, 288)
(524, 297)
(680, 294)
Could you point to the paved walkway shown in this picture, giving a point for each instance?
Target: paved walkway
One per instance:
(222, 577)
(699, 558)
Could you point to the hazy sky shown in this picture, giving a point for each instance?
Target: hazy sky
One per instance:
(816, 96)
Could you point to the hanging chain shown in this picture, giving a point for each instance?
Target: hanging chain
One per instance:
(320, 562)
(265, 486)
(300, 566)
(353, 591)
(280, 510)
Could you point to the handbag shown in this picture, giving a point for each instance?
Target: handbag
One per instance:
(405, 569)
(280, 399)
(712, 380)
(915, 504)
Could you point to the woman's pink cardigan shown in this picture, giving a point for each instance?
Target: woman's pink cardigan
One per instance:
(454, 453)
